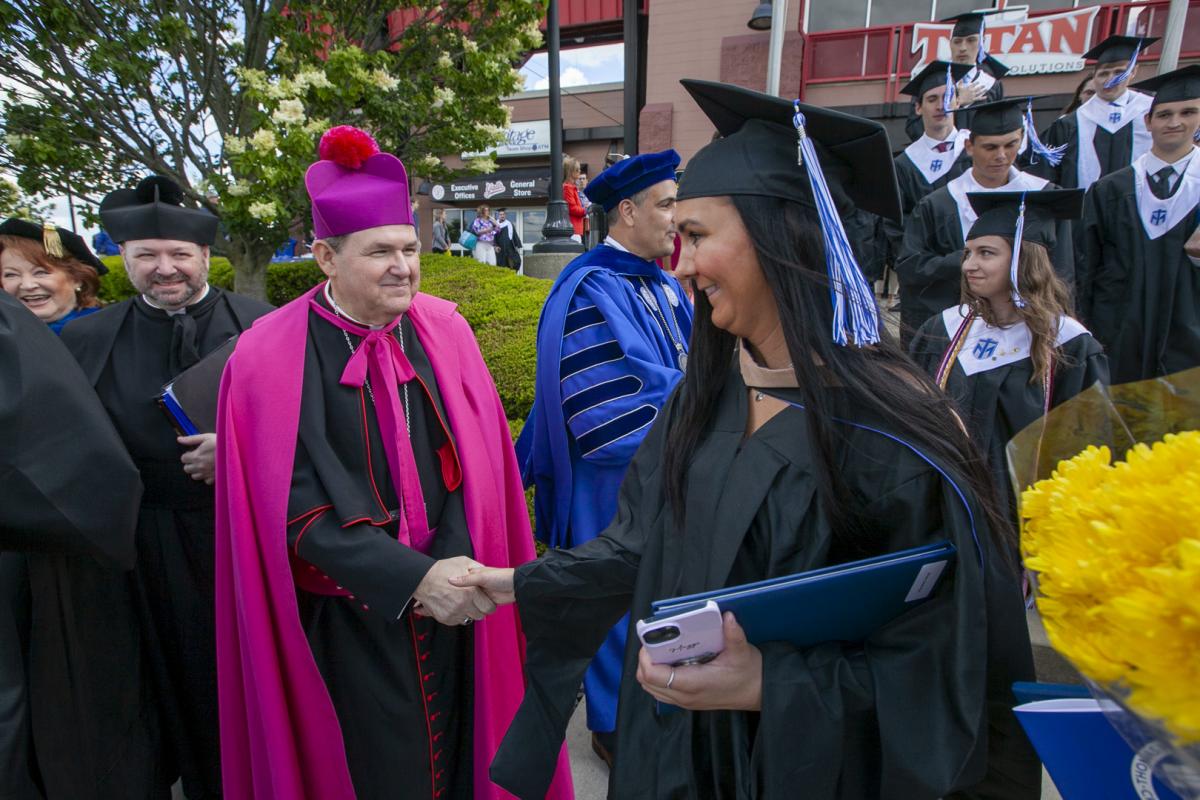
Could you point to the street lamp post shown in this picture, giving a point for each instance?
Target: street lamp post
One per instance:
(772, 15)
(556, 233)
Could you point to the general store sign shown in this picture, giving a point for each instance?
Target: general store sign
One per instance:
(1027, 46)
(521, 139)
(508, 185)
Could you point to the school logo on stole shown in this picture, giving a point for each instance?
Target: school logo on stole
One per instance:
(985, 348)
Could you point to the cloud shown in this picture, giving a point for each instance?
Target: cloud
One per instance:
(571, 76)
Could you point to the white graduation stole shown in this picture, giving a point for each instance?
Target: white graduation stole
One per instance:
(1159, 216)
(986, 347)
(959, 187)
(1097, 113)
(930, 163)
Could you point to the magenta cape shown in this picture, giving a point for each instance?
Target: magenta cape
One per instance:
(280, 738)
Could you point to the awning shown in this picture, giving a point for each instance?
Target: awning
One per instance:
(505, 184)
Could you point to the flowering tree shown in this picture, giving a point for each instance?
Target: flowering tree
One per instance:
(229, 98)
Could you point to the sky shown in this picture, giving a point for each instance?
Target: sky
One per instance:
(580, 66)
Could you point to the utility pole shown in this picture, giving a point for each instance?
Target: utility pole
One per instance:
(557, 231)
(633, 56)
(1173, 36)
(775, 50)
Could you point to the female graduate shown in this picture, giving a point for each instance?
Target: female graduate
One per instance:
(785, 450)
(1011, 351)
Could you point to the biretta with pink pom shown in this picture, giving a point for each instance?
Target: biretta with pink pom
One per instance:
(354, 186)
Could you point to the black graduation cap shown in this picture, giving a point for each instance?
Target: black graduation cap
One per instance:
(155, 210)
(997, 69)
(933, 76)
(1119, 48)
(1174, 86)
(757, 152)
(58, 242)
(817, 157)
(1023, 216)
(969, 23)
(999, 116)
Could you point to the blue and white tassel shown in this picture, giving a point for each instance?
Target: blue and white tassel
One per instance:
(1053, 155)
(1116, 80)
(948, 97)
(1018, 236)
(980, 55)
(854, 309)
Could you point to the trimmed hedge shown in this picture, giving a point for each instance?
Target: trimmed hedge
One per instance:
(501, 307)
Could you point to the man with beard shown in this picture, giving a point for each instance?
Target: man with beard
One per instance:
(128, 352)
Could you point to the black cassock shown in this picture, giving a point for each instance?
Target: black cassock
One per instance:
(401, 684)
(913, 189)
(998, 403)
(128, 351)
(911, 714)
(930, 264)
(1139, 296)
(68, 500)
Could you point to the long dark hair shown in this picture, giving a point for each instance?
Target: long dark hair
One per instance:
(880, 380)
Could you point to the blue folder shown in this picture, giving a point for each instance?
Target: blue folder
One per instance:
(842, 603)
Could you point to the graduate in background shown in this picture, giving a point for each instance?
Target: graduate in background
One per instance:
(612, 344)
(364, 459)
(128, 352)
(1139, 291)
(1010, 353)
(508, 243)
(1107, 132)
(940, 154)
(929, 265)
(736, 483)
(70, 496)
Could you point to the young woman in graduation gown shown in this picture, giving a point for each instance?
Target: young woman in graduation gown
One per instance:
(1004, 363)
(783, 451)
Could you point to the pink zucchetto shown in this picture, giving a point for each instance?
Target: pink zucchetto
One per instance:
(354, 186)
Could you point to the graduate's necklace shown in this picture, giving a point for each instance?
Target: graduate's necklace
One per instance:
(648, 295)
(367, 382)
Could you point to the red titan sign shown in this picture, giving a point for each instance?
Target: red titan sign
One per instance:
(1053, 43)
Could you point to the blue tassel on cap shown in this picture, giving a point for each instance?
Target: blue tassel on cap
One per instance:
(948, 97)
(854, 309)
(1018, 236)
(1115, 80)
(1053, 155)
(981, 56)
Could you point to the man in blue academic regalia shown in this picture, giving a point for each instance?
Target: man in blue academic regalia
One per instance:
(612, 344)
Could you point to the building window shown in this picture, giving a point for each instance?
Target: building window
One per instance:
(532, 220)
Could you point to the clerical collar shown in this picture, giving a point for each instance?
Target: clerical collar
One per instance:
(759, 377)
(341, 312)
(1154, 163)
(176, 312)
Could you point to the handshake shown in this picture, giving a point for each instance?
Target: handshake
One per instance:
(460, 590)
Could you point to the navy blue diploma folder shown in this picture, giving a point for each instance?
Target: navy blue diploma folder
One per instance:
(842, 603)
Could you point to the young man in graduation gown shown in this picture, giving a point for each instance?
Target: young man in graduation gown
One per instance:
(612, 344)
(939, 155)
(364, 458)
(70, 507)
(128, 352)
(1107, 132)
(508, 243)
(1139, 291)
(931, 252)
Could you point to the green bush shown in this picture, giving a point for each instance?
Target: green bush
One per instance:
(500, 306)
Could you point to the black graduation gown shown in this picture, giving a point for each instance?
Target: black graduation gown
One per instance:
(913, 189)
(962, 119)
(128, 351)
(911, 714)
(401, 684)
(68, 500)
(1139, 296)
(1114, 151)
(508, 248)
(930, 263)
(999, 403)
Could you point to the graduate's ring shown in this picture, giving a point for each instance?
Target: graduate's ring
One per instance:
(671, 679)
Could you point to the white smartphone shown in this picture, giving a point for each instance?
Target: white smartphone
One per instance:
(693, 636)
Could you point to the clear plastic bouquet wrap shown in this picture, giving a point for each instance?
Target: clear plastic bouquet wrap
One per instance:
(1109, 488)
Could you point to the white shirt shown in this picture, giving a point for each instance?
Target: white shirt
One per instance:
(613, 243)
(1154, 164)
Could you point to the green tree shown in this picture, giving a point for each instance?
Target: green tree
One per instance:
(14, 203)
(229, 98)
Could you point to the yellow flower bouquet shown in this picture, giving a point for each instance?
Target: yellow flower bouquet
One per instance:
(1112, 535)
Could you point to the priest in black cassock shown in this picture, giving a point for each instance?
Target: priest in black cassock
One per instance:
(1107, 132)
(981, 83)
(940, 154)
(800, 437)
(1008, 355)
(1139, 290)
(929, 265)
(128, 352)
(70, 493)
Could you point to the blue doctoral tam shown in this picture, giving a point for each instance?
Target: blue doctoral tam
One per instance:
(629, 176)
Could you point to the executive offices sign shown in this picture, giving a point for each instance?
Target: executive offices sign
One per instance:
(529, 184)
(521, 139)
(1027, 46)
